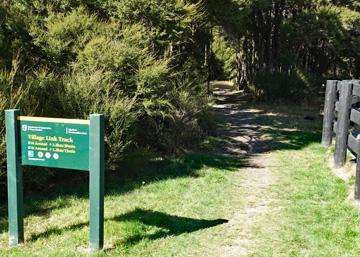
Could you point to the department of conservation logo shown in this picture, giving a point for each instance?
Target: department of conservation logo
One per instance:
(24, 127)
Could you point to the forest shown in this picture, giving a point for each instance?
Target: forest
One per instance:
(147, 64)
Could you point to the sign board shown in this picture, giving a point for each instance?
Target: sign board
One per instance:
(55, 143)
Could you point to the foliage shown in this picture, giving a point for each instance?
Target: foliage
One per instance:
(224, 65)
(275, 85)
(190, 121)
(144, 62)
(315, 38)
(111, 57)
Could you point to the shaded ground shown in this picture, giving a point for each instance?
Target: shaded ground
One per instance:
(252, 133)
(245, 140)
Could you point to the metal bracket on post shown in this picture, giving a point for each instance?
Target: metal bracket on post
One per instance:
(97, 160)
(14, 178)
(343, 123)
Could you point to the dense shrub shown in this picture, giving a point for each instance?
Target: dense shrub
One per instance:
(186, 124)
(119, 58)
(272, 86)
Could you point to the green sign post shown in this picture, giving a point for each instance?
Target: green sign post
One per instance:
(14, 178)
(56, 143)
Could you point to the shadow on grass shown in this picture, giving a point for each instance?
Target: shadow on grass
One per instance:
(57, 231)
(292, 140)
(170, 225)
(43, 203)
(130, 176)
(189, 165)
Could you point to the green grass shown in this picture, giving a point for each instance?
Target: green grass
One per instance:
(171, 208)
(316, 219)
(311, 215)
(184, 206)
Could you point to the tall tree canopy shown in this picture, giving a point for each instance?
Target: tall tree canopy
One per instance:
(290, 40)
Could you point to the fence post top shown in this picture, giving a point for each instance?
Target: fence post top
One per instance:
(12, 110)
(346, 82)
(96, 115)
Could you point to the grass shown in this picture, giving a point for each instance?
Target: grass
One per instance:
(172, 208)
(185, 206)
(316, 217)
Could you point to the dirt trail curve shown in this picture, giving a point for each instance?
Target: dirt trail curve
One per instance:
(245, 140)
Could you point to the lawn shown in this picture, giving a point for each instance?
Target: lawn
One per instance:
(176, 208)
(317, 219)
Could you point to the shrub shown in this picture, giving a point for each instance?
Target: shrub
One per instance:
(61, 35)
(11, 96)
(94, 93)
(274, 86)
(116, 58)
(188, 122)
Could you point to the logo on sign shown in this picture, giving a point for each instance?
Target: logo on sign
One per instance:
(24, 127)
(75, 131)
(31, 154)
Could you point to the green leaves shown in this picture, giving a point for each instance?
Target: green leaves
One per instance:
(119, 58)
(316, 38)
(62, 36)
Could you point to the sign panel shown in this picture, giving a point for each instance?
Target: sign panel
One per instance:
(55, 143)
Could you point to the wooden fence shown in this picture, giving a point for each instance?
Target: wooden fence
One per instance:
(342, 118)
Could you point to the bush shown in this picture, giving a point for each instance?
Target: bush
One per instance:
(275, 86)
(116, 58)
(224, 63)
(61, 35)
(94, 93)
(11, 96)
(188, 120)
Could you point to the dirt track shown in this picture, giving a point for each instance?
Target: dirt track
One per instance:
(245, 139)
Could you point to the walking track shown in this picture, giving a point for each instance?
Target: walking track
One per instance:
(245, 139)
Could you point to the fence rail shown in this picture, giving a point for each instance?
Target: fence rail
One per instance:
(342, 118)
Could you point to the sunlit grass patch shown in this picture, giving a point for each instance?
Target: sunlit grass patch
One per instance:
(172, 203)
(316, 217)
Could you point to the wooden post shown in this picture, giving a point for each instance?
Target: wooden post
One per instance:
(329, 109)
(357, 178)
(96, 167)
(14, 178)
(343, 123)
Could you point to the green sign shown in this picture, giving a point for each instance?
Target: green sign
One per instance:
(56, 143)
